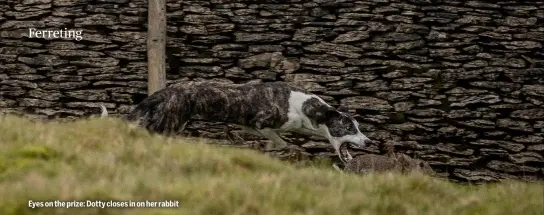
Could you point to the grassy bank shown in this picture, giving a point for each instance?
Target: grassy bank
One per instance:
(106, 160)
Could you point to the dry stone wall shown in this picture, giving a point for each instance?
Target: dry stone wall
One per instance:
(457, 83)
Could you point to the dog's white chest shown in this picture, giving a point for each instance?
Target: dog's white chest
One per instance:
(296, 118)
(294, 121)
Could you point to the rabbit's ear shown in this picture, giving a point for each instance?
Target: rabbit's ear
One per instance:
(403, 159)
(422, 164)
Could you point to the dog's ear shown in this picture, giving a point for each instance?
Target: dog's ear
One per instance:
(330, 112)
(323, 113)
(343, 108)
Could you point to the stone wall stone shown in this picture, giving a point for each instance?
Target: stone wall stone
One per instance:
(457, 83)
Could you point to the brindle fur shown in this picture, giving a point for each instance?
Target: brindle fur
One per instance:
(256, 105)
(259, 108)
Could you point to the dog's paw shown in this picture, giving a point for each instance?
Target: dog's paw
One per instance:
(273, 148)
(348, 156)
(288, 148)
(292, 148)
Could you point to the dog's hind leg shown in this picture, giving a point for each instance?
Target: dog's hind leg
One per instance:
(232, 137)
(182, 128)
(250, 130)
(277, 142)
(184, 119)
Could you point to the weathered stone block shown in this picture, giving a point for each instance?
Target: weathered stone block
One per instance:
(480, 175)
(31, 102)
(485, 99)
(412, 83)
(530, 139)
(494, 153)
(96, 62)
(322, 61)
(89, 105)
(305, 77)
(533, 90)
(377, 85)
(509, 167)
(96, 19)
(478, 123)
(309, 86)
(27, 77)
(396, 37)
(310, 34)
(341, 50)
(352, 36)
(367, 103)
(63, 85)
(526, 157)
(514, 125)
(530, 114)
(45, 95)
(260, 37)
(88, 95)
(43, 60)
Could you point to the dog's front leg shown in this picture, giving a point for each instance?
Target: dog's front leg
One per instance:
(270, 134)
(309, 132)
(250, 130)
(338, 148)
(337, 168)
(348, 155)
(277, 142)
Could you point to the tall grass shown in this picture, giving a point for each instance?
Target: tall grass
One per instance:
(109, 161)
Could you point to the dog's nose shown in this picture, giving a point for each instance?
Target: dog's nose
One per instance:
(367, 142)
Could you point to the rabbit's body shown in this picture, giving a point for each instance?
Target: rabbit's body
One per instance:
(391, 161)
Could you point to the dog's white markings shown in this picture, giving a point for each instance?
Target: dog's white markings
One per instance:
(300, 123)
(277, 142)
(262, 109)
(337, 142)
(183, 126)
(297, 119)
(249, 130)
(337, 168)
(310, 132)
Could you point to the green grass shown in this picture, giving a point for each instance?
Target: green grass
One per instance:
(108, 160)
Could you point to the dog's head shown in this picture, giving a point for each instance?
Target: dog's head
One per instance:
(343, 128)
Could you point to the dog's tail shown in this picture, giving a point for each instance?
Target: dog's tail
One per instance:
(165, 111)
(104, 113)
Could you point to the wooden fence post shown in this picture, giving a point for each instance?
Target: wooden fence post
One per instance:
(156, 45)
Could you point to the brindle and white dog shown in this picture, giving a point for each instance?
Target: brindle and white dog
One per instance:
(262, 109)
